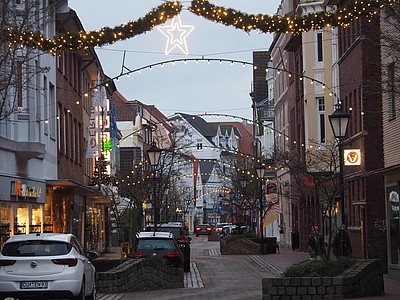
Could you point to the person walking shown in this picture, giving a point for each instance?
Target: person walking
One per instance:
(342, 244)
(315, 244)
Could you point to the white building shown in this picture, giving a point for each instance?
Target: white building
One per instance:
(28, 136)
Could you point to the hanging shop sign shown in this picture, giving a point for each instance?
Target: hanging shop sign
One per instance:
(352, 157)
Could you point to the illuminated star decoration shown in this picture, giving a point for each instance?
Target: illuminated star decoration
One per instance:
(176, 34)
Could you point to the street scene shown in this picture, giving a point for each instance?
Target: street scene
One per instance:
(214, 276)
(200, 148)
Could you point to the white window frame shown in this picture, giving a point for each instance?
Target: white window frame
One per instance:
(321, 127)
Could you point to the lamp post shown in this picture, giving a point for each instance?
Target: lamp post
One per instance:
(154, 154)
(205, 212)
(339, 121)
(260, 173)
(218, 208)
(243, 183)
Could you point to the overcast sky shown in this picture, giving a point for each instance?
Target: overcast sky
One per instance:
(189, 88)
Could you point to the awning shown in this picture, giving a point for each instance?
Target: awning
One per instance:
(79, 189)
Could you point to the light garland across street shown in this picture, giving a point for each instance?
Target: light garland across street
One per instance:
(230, 17)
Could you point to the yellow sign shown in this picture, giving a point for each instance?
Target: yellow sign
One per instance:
(352, 157)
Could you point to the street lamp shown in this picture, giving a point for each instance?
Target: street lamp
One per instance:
(154, 154)
(205, 221)
(260, 173)
(217, 208)
(243, 183)
(339, 121)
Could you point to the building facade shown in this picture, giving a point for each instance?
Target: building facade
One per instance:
(391, 125)
(28, 134)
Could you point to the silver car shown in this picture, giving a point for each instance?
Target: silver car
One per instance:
(46, 265)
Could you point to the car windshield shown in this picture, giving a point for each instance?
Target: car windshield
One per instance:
(36, 248)
(155, 244)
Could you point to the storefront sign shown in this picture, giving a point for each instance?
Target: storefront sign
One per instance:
(352, 157)
(19, 189)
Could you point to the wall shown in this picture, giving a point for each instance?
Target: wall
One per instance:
(139, 275)
(365, 278)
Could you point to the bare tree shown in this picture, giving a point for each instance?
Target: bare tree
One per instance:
(18, 65)
(314, 179)
(390, 57)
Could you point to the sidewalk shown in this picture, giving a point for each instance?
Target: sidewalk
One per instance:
(114, 253)
(288, 257)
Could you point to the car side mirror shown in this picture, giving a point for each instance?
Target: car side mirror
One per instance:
(91, 255)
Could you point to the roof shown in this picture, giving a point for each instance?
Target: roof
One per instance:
(65, 237)
(152, 234)
(202, 126)
(206, 168)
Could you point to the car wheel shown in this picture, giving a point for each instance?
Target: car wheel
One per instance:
(186, 266)
(92, 296)
(81, 295)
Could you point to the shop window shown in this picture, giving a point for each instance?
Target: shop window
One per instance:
(36, 223)
(5, 222)
(21, 219)
(47, 220)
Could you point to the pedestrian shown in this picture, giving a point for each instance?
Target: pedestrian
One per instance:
(316, 247)
(342, 244)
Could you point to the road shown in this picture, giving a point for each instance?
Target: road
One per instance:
(212, 276)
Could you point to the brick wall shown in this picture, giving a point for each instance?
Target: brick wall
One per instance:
(365, 278)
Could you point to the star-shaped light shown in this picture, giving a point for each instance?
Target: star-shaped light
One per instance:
(176, 34)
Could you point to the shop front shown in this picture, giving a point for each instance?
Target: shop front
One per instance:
(80, 210)
(22, 207)
(393, 227)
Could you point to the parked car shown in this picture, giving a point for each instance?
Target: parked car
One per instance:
(46, 265)
(162, 244)
(202, 229)
(225, 228)
(176, 228)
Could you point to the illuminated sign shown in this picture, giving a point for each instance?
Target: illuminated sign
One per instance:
(352, 157)
(19, 189)
(176, 33)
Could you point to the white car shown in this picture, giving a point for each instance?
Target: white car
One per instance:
(46, 265)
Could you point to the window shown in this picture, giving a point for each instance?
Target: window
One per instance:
(19, 83)
(199, 144)
(319, 55)
(321, 119)
(391, 91)
(52, 108)
(60, 130)
(45, 104)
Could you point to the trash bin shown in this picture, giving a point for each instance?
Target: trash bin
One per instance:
(271, 245)
(295, 240)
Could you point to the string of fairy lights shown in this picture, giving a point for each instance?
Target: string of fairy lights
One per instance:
(189, 160)
(83, 40)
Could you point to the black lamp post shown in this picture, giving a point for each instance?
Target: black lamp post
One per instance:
(219, 208)
(205, 221)
(154, 154)
(339, 121)
(260, 173)
(243, 183)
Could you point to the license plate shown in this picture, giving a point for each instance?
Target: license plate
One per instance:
(34, 285)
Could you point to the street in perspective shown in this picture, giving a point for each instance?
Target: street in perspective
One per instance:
(236, 277)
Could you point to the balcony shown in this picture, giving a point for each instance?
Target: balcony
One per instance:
(23, 150)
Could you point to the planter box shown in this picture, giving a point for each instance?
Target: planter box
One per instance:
(364, 278)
